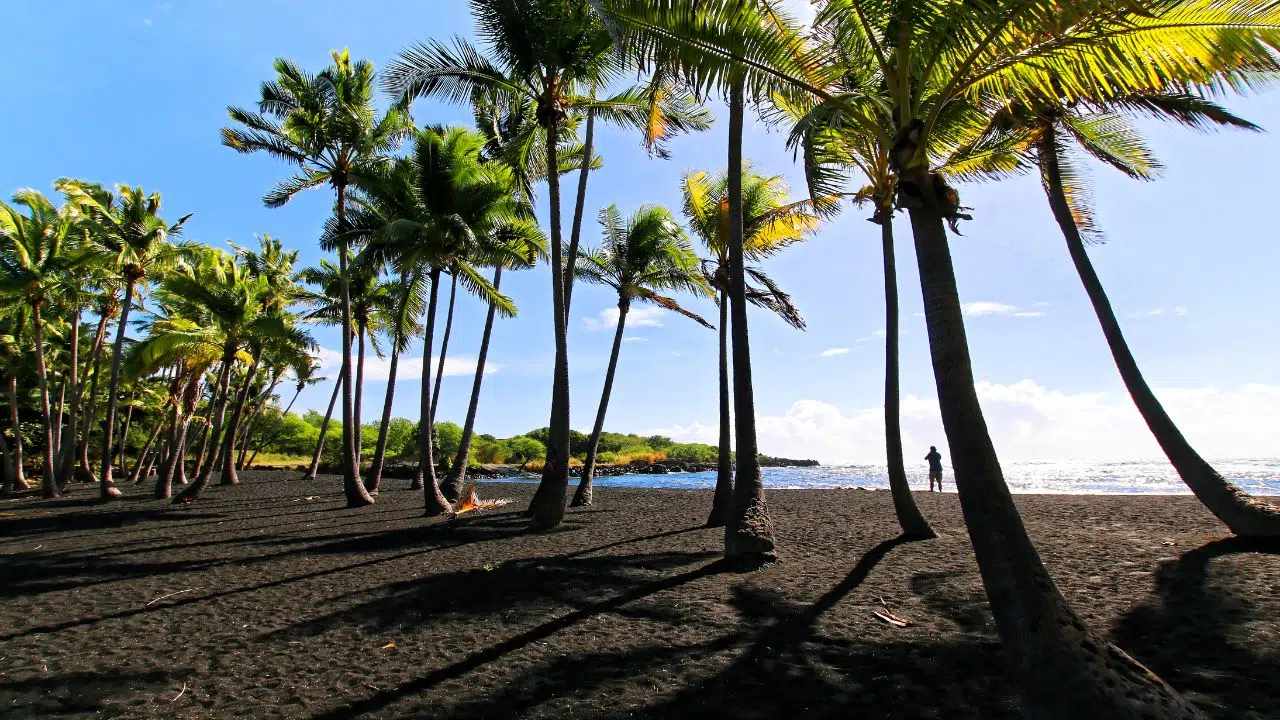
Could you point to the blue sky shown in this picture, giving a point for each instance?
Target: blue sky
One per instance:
(136, 92)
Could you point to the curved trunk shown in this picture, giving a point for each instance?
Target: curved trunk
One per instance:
(374, 479)
(1064, 670)
(263, 441)
(19, 479)
(904, 505)
(748, 537)
(253, 418)
(214, 435)
(547, 507)
(444, 346)
(173, 467)
(49, 480)
(139, 468)
(722, 501)
(91, 410)
(113, 391)
(229, 475)
(57, 427)
(124, 433)
(352, 485)
(324, 430)
(582, 496)
(452, 485)
(425, 476)
(575, 233)
(1246, 515)
(69, 444)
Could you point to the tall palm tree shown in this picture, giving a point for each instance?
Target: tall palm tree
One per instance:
(130, 227)
(36, 250)
(1052, 134)
(13, 323)
(546, 51)
(641, 256)
(326, 126)
(771, 223)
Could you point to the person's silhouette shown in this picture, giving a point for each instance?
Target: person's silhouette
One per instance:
(935, 468)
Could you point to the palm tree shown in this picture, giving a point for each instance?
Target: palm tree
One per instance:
(130, 227)
(771, 223)
(326, 126)
(1051, 134)
(547, 51)
(12, 327)
(37, 251)
(400, 318)
(641, 256)
(443, 208)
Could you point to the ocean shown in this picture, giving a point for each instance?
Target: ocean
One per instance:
(1255, 476)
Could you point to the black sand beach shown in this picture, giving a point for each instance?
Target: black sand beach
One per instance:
(272, 600)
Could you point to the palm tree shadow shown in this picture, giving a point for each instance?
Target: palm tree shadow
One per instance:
(1200, 634)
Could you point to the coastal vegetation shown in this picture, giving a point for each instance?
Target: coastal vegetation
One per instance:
(132, 351)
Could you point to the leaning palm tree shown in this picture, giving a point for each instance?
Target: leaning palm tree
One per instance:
(1053, 134)
(36, 250)
(547, 52)
(400, 319)
(771, 222)
(641, 256)
(326, 126)
(130, 227)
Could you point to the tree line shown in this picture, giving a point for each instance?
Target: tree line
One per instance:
(890, 104)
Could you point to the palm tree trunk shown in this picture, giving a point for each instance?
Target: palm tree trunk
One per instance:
(66, 465)
(1064, 670)
(425, 476)
(359, 396)
(57, 425)
(254, 416)
(547, 507)
(444, 346)
(7, 473)
(177, 453)
(1246, 515)
(452, 486)
(579, 206)
(582, 496)
(214, 436)
(113, 391)
(324, 430)
(49, 480)
(722, 501)
(19, 478)
(904, 505)
(374, 478)
(229, 475)
(263, 441)
(352, 485)
(748, 538)
(137, 476)
(124, 432)
(91, 410)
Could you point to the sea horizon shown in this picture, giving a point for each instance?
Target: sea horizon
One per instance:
(1256, 476)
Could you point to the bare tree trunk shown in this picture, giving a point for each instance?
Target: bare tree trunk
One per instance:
(352, 485)
(262, 442)
(547, 507)
(359, 396)
(374, 479)
(214, 437)
(748, 539)
(579, 207)
(139, 474)
(91, 410)
(229, 475)
(7, 473)
(254, 416)
(124, 432)
(19, 478)
(722, 501)
(904, 505)
(69, 442)
(425, 476)
(113, 394)
(1246, 515)
(57, 425)
(582, 496)
(453, 484)
(324, 430)
(444, 345)
(1064, 670)
(49, 480)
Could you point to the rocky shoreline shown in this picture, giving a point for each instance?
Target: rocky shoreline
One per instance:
(662, 467)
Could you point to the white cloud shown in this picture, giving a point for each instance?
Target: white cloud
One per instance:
(802, 10)
(1027, 421)
(410, 368)
(146, 21)
(989, 307)
(877, 335)
(1155, 312)
(635, 339)
(607, 319)
(1180, 310)
(832, 352)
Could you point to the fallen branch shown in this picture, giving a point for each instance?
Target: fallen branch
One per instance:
(181, 692)
(888, 616)
(153, 602)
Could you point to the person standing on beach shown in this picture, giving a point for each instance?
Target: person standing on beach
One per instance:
(935, 468)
